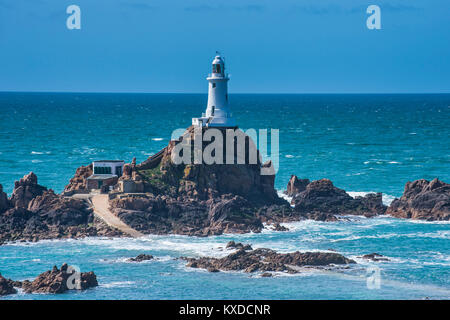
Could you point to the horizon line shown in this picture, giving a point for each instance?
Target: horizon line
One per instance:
(236, 93)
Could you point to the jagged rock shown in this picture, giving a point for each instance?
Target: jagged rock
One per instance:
(6, 286)
(25, 190)
(423, 200)
(60, 281)
(323, 198)
(4, 202)
(374, 257)
(266, 260)
(141, 257)
(266, 275)
(78, 182)
(296, 185)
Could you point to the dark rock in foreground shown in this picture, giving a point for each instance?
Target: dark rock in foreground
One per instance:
(267, 260)
(423, 200)
(321, 199)
(60, 281)
(6, 286)
(141, 257)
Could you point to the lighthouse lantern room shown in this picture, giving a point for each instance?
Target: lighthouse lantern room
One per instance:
(217, 111)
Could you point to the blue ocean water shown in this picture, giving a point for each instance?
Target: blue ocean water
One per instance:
(362, 143)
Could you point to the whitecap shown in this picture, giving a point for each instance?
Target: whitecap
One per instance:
(289, 156)
(118, 284)
(157, 139)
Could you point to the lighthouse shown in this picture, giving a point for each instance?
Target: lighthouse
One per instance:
(217, 112)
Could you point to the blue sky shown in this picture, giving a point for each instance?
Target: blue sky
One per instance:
(278, 46)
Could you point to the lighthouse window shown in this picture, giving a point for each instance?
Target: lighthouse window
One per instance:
(216, 68)
(213, 85)
(213, 109)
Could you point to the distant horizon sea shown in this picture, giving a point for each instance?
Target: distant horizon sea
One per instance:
(362, 142)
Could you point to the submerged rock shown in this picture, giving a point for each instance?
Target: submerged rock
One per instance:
(374, 257)
(267, 260)
(141, 257)
(239, 246)
(423, 200)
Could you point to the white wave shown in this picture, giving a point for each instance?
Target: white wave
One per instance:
(157, 139)
(118, 284)
(284, 196)
(36, 152)
(289, 156)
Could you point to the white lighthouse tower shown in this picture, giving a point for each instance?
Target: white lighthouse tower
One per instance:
(217, 112)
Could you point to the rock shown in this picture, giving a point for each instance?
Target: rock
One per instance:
(211, 269)
(239, 246)
(374, 257)
(78, 182)
(60, 281)
(267, 260)
(323, 198)
(4, 202)
(25, 190)
(6, 286)
(48, 216)
(57, 210)
(279, 227)
(296, 185)
(423, 200)
(266, 275)
(141, 257)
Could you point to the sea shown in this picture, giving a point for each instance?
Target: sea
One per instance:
(362, 142)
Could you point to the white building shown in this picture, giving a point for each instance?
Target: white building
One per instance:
(217, 111)
(105, 173)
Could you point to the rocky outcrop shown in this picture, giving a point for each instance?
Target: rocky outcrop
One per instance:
(296, 185)
(321, 198)
(47, 215)
(267, 260)
(6, 286)
(163, 215)
(78, 182)
(25, 190)
(60, 281)
(4, 202)
(141, 257)
(423, 200)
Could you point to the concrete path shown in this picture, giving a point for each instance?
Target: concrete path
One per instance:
(101, 209)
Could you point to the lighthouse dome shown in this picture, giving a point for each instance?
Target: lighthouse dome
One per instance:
(218, 66)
